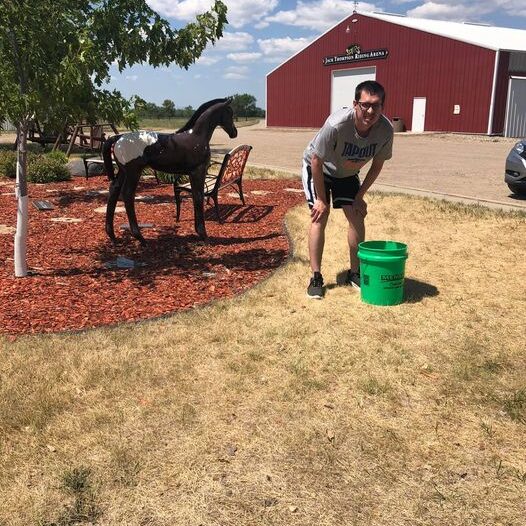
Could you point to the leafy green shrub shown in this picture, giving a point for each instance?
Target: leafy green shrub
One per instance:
(45, 169)
(8, 164)
(172, 178)
(58, 156)
(41, 168)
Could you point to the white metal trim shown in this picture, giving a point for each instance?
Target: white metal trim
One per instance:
(266, 101)
(400, 22)
(493, 93)
(505, 134)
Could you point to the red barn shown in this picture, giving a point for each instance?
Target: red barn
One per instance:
(438, 75)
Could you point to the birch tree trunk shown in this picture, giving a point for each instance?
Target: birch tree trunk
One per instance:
(22, 218)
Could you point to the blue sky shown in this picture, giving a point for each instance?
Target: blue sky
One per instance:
(263, 33)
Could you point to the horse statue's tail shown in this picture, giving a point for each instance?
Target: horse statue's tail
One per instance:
(107, 149)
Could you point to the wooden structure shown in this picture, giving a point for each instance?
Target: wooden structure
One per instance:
(36, 133)
(90, 136)
(230, 174)
(86, 136)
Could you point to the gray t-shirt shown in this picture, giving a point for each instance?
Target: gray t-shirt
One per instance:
(343, 150)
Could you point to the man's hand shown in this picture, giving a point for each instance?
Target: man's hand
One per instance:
(318, 210)
(360, 206)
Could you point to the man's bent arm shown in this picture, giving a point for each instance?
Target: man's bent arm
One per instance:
(321, 205)
(370, 178)
(317, 176)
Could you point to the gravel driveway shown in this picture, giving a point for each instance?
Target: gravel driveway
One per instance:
(466, 168)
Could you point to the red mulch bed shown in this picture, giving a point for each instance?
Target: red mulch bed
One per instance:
(71, 287)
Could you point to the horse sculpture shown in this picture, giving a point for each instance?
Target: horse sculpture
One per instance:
(185, 152)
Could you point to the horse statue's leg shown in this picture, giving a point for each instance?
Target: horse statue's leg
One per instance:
(128, 196)
(113, 197)
(197, 183)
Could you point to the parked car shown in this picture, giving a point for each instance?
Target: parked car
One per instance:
(515, 175)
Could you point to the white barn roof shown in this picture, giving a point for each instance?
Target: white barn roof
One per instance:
(491, 37)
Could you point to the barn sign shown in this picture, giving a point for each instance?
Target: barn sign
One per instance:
(354, 54)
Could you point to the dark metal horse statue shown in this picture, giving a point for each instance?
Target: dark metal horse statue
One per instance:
(185, 152)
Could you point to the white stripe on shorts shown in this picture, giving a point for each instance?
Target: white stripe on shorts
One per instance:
(308, 183)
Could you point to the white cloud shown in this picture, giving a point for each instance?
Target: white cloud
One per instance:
(467, 10)
(240, 12)
(206, 60)
(457, 12)
(243, 57)
(320, 14)
(231, 42)
(279, 49)
(133, 78)
(243, 12)
(234, 76)
(261, 25)
(236, 73)
(237, 69)
(238, 41)
(184, 10)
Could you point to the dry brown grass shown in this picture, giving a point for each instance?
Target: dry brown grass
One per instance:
(260, 172)
(275, 409)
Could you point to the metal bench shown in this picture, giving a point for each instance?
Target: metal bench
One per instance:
(230, 174)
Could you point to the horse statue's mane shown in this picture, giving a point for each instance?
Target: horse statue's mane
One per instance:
(193, 119)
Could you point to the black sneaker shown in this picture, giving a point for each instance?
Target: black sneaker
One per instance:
(353, 279)
(315, 288)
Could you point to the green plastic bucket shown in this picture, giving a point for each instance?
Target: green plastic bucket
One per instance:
(382, 270)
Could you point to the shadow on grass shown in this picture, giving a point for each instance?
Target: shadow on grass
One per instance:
(416, 290)
(231, 213)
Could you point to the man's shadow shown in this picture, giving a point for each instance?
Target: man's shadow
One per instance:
(414, 290)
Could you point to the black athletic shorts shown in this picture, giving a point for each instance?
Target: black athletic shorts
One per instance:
(342, 190)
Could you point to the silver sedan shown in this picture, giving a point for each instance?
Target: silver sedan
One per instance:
(515, 175)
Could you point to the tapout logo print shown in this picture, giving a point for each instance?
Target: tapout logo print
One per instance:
(355, 153)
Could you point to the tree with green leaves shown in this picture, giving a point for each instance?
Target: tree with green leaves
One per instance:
(55, 59)
(168, 108)
(244, 105)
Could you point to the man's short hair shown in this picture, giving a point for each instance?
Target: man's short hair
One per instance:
(372, 87)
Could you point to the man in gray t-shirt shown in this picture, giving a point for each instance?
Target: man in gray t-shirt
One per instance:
(348, 140)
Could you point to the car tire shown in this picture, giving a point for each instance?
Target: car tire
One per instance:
(518, 189)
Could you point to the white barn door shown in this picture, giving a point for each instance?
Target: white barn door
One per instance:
(516, 108)
(419, 114)
(344, 82)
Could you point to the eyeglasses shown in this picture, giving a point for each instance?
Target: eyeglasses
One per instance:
(366, 106)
